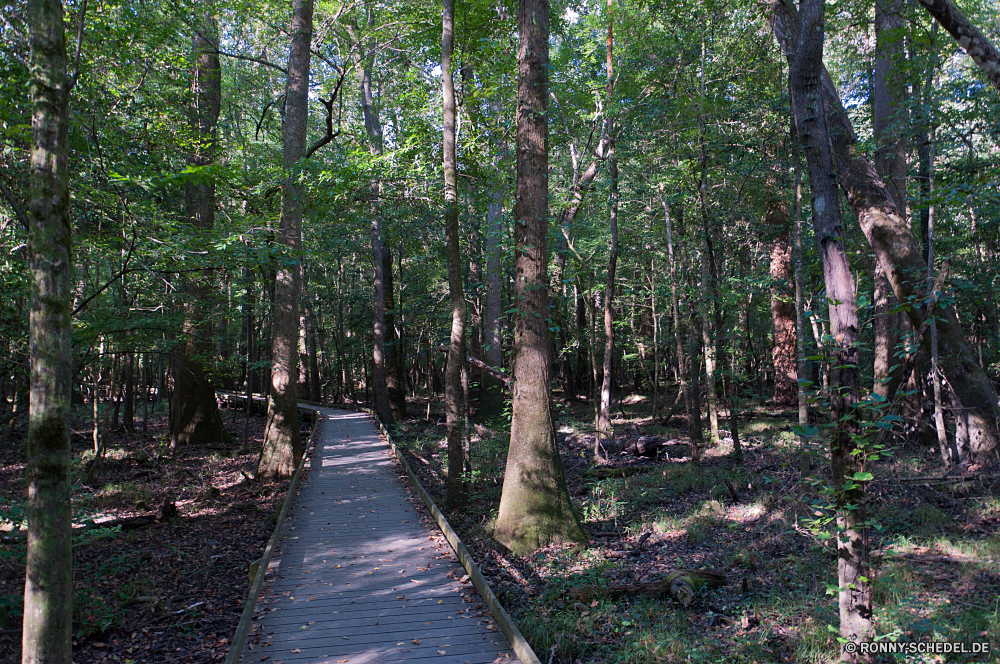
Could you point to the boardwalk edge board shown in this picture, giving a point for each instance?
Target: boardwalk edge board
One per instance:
(236, 647)
(517, 641)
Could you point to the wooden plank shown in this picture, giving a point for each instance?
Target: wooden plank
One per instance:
(360, 576)
(507, 625)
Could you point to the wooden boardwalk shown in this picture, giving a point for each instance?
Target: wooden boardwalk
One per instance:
(361, 575)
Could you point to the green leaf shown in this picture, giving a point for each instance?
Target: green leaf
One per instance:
(863, 477)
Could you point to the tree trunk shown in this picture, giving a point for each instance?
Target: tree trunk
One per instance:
(194, 414)
(949, 450)
(128, 416)
(604, 428)
(888, 120)
(981, 49)
(708, 338)
(491, 403)
(316, 390)
(48, 588)
(395, 381)
(535, 506)
(806, 87)
(786, 376)
(456, 352)
(805, 460)
(900, 257)
(283, 447)
(383, 407)
(364, 61)
(691, 403)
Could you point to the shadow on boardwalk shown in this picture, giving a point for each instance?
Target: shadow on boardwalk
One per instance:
(360, 575)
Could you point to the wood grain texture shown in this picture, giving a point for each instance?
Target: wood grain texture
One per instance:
(361, 575)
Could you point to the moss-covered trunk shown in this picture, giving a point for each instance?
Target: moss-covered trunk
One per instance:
(48, 588)
(535, 507)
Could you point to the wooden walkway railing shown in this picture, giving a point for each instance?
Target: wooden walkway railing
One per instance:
(358, 576)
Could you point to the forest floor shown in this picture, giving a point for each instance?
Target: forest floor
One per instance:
(936, 553)
(156, 590)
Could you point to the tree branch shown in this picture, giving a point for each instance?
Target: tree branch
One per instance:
(249, 58)
(968, 36)
(330, 134)
(22, 218)
(110, 281)
(79, 47)
(507, 379)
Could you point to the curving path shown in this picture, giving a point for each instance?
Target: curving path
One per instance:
(360, 576)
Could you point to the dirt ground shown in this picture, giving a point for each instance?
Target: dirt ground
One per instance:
(173, 589)
(935, 545)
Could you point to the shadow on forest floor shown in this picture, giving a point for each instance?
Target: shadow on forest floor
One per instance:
(936, 560)
(171, 590)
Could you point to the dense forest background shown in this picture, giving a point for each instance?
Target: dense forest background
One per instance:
(256, 201)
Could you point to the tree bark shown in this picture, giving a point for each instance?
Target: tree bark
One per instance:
(48, 588)
(383, 407)
(194, 414)
(456, 352)
(888, 120)
(128, 415)
(786, 377)
(899, 255)
(707, 333)
(535, 506)
(968, 36)
(949, 450)
(283, 447)
(806, 86)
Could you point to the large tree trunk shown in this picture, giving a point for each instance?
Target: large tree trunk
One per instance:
(901, 259)
(535, 506)
(786, 376)
(194, 414)
(394, 379)
(806, 86)
(48, 588)
(456, 352)
(283, 447)
(888, 120)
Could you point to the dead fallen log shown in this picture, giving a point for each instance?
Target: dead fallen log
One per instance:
(648, 446)
(680, 585)
(606, 472)
(507, 379)
(167, 511)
